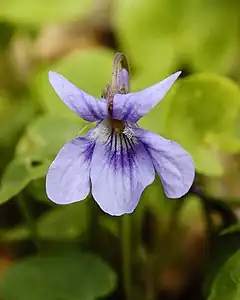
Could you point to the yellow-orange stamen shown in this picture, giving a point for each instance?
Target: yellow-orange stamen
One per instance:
(117, 125)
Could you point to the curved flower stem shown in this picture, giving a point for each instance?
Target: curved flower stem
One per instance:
(119, 62)
(208, 219)
(126, 255)
(197, 190)
(160, 258)
(30, 222)
(212, 204)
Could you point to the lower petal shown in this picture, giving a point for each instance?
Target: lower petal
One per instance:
(173, 164)
(68, 179)
(120, 170)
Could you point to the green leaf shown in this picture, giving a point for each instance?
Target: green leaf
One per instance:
(226, 187)
(148, 43)
(68, 276)
(111, 224)
(15, 234)
(13, 118)
(204, 110)
(7, 31)
(37, 190)
(64, 222)
(231, 229)
(46, 135)
(227, 142)
(225, 247)
(208, 162)
(160, 34)
(43, 139)
(17, 176)
(218, 49)
(41, 12)
(191, 212)
(61, 224)
(89, 70)
(226, 285)
(154, 198)
(207, 103)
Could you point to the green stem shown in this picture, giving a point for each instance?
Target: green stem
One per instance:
(205, 201)
(150, 280)
(30, 222)
(126, 255)
(93, 238)
(167, 251)
(208, 221)
(174, 217)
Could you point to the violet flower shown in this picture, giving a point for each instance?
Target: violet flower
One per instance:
(116, 158)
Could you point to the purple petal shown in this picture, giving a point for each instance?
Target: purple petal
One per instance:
(68, 177)
(173, 164)
(121, 169)
(131, 107)
(85, 105)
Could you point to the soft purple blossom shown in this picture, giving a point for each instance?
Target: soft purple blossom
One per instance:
(116, 159)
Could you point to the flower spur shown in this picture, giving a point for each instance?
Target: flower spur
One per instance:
(116, 158)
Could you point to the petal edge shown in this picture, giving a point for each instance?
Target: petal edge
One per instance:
(131, 107)
(68, 179)
(86, 106)
(173, 164)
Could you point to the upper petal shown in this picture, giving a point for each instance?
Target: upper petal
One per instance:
(173, 164)
(131, 107)
(85, 105)
(120, 170)
(68, 178)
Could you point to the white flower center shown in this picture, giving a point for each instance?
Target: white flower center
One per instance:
(105, 128)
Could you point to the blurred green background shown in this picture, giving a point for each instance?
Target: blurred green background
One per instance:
(186, 249)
